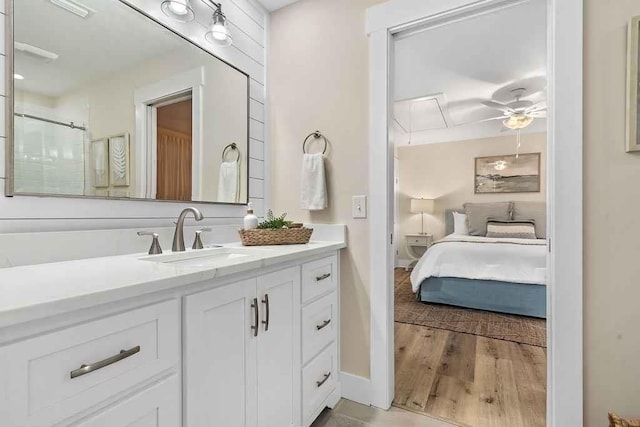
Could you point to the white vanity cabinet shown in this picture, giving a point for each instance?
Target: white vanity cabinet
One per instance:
(253, 348)
(239, 338)
(51, 378)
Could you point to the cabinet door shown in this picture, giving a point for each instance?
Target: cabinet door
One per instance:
(156, 406)
(278, 293)
(220, 357)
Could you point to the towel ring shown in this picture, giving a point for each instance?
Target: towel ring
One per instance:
(233, 147)
(316, 135)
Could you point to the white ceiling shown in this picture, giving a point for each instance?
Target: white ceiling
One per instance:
(272, 5)
(113, 38)
(475, 59)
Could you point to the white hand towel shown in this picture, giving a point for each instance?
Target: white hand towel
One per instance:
(314, 186)
(228, 182)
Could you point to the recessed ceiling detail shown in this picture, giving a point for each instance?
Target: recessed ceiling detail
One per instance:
(422, 114)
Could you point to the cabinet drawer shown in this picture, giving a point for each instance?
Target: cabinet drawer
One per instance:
(57, 375)
(419, 240)
(156, 406)
(319, 379)
(319, 327)
(319, 278)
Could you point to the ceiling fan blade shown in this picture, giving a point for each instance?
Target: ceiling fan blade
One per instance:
(541, 106)
(484, 120)
(538, 114)
(496, 105)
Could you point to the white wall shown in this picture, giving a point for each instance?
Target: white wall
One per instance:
(319, 80)
(611, 205)
(248, 24)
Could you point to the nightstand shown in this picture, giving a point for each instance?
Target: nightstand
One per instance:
(416, 245)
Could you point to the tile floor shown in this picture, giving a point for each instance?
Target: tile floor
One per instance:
(351, 414)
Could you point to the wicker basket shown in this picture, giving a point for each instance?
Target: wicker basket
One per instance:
(267, 237)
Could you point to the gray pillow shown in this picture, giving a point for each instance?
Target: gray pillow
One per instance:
(479, 213)
(532, 210)
(523, 229)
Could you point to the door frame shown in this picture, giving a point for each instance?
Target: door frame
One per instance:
(144, 99)
(565, 199)
(152, 139)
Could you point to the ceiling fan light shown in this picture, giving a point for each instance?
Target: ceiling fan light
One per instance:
(178, 10)
(517, 122)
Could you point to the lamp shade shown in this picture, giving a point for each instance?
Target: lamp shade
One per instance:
(422, 205)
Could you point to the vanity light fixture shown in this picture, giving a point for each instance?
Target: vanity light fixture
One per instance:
(178, 10)
(219, 34)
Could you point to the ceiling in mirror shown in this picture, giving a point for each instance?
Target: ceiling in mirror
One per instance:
(109, 103)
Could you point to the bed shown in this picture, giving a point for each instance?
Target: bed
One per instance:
(496, 274)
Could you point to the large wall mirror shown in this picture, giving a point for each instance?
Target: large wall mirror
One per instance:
(115, 105)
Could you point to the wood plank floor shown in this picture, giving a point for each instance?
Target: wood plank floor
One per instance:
(468, 379)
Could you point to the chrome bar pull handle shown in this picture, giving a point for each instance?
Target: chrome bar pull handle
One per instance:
(323, 325)
(323, 380)
(323, 277)
(87, 369)
(256, 315)
(265, 322)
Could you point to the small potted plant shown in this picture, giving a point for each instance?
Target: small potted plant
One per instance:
(276, 230)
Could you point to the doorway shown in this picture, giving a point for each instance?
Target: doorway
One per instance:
(564, 400)
(470, 315)
(174, 123)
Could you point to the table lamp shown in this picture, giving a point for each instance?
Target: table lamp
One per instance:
(422, 206)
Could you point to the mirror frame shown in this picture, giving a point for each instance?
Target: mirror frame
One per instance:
(9, 187)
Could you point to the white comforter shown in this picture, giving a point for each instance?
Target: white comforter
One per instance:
(472, 257)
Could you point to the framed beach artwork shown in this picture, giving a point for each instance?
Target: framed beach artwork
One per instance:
(119, 160)
(633, 87)
(100, 162)
(508, 174)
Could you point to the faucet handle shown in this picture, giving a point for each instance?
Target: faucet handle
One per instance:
(197, 243)
(155, 244)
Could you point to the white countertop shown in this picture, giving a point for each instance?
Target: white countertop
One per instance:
(38, 291)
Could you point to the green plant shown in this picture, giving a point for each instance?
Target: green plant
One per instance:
(275, 222)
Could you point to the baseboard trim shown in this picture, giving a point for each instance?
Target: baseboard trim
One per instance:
(356, 388)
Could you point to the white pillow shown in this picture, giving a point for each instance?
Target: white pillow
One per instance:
(460, 224)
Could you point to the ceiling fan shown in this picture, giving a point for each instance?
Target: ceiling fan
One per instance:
(518, 114)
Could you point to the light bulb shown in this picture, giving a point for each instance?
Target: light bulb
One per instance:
(178, 10)
(218, 33)
(179, 7)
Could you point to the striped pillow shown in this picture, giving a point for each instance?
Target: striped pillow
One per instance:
(520, 229)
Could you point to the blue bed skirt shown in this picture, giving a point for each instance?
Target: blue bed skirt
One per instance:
(503, 297)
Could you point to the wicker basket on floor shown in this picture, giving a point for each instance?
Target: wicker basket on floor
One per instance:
(267, 237)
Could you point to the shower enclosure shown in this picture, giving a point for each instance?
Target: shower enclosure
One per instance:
(49, 156)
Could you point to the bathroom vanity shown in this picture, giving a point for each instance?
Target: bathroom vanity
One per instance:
(227, 336)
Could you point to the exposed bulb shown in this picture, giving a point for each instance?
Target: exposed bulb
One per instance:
(179, 7)
(178, 10)
(219, 32)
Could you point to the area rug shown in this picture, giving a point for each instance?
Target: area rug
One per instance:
(507, 327)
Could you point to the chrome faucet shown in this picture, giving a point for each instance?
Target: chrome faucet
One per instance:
(178, 237)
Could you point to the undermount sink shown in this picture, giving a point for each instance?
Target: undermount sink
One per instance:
(205, 258)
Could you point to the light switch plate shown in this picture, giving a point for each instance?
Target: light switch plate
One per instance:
(359, 206)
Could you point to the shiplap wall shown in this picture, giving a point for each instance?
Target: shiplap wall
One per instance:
(248, 23)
